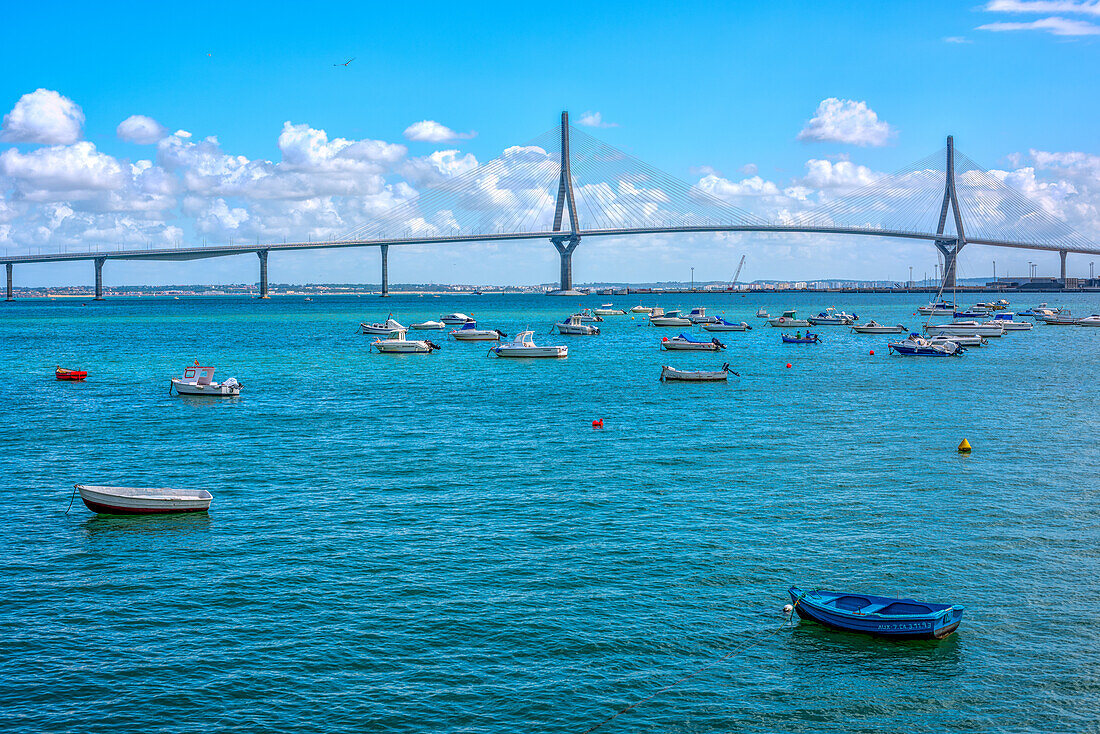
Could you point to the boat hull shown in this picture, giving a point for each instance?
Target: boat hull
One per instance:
(671, 374)
(665, 321)
(948, 330)
(70, 375)
(726, 327)
(879, 329)
(413, 347)
(531, 352)
(785, 323)
(212, 390)
(577, 330)
(105, 502)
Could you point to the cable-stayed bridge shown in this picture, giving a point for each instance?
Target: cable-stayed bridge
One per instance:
(566, 186)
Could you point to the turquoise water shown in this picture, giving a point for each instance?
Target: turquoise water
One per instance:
(444, 543)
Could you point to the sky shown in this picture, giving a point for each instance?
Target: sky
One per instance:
(131, 125)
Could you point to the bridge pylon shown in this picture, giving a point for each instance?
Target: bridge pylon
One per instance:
(566, 242)
(949, 246)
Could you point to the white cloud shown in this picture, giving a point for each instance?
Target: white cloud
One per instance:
(140, 129)
(846, 121)
(595, 119)
(956, 39)
(1054, 25)
(43, 116)
(430, 131)
(1043, 6)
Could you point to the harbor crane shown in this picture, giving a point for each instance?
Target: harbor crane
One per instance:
(736, 273)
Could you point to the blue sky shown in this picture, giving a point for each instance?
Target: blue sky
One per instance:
(686, 86)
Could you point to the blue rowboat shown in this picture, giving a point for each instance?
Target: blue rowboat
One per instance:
(877, 615)
(808, 339)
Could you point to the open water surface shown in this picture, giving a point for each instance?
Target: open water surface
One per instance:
(444, 543)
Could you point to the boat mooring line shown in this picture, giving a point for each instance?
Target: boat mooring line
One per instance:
(73, 497)
(687, 677)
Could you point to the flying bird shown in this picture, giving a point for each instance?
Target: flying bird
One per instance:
(346, 62)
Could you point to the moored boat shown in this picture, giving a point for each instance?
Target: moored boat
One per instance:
(918, 346)
(684, 343)
(762, 313)
(937, 308)
(389, 326)
(588, 317)
(1059, 318)
(398, 344)
(1093, 320)
(198, 380)
(574, 326)
(66, 375)
(810, 338)
(877, 615)
(671, 318)
(142, 500)
(642, 309)
(963, 340)
(452, 319)
(874, 327)
(608, 309)
(671, 374)
(1009, 324)
(428, 326)
(523, 345)
(788, 320)
(966, 327)
(470, 333)
(720, 324)
(832, 317)
(698, 315)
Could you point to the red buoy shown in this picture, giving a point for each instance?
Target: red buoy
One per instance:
(788, 365)
(872, 352)
(598, 423)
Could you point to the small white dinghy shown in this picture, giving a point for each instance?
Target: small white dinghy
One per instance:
(200, 381)
(608, 310)
(642, 309)
(671, 374)
(388, 327)
(429, 326)
(874, 327)
(524, 346)
(398, 344)
(720, 324)
(143, 500)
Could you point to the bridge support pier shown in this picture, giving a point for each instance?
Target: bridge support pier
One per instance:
(385, 250)
(99, 277)
(565, 247)
(11, 294)
(950, 252)
(1062, 254)
(262, 254)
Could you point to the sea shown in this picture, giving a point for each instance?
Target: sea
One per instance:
(445, 543)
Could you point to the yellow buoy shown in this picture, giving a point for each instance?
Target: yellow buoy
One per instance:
(964, 447)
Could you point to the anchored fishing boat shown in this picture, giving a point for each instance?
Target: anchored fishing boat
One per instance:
(799, 339)
(963, 340)
(381, 329)
(398, 344)
(989, 328)
(66, 375)
(470, 333)
(671, 374)
(762, 313)
(452, 319)
(608, 309)
(788, 320)
(937, 308)
(642, 309)
(428, 326)
(1093, 320)
(698, 315)
(588, 317)
(720, 324)
(832, 317)
(573, 326)
(672, 318)
(1009, 324)
(200, 381)
(684, 343)
(142, 500)
(524, 346)
(874, 327)
(1059, 318)
(917, 346)
(883, 616)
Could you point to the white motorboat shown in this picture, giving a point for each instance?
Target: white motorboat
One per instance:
(988, 328)
(142, 500)
(1009, 324)
(608, 309)
(456, 318)
(684, 343)
(575, 327)
(398, 344)
(874, 327)
(762, 313)
(524, 346)
(642, 309)
(671, 374)
(965, 340)
(788, 319)
(428, 326)
(670, 318)
(1093, 320)
(470, 333)
(937, 308)
(1060, 318)
(588, 317)
(698, 315)
(917, 346)
(720, 324)
(376, 329)
(1041, 309)
(200, 381)
(832, 317)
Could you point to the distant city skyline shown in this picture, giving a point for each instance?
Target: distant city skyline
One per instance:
(126, 132)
